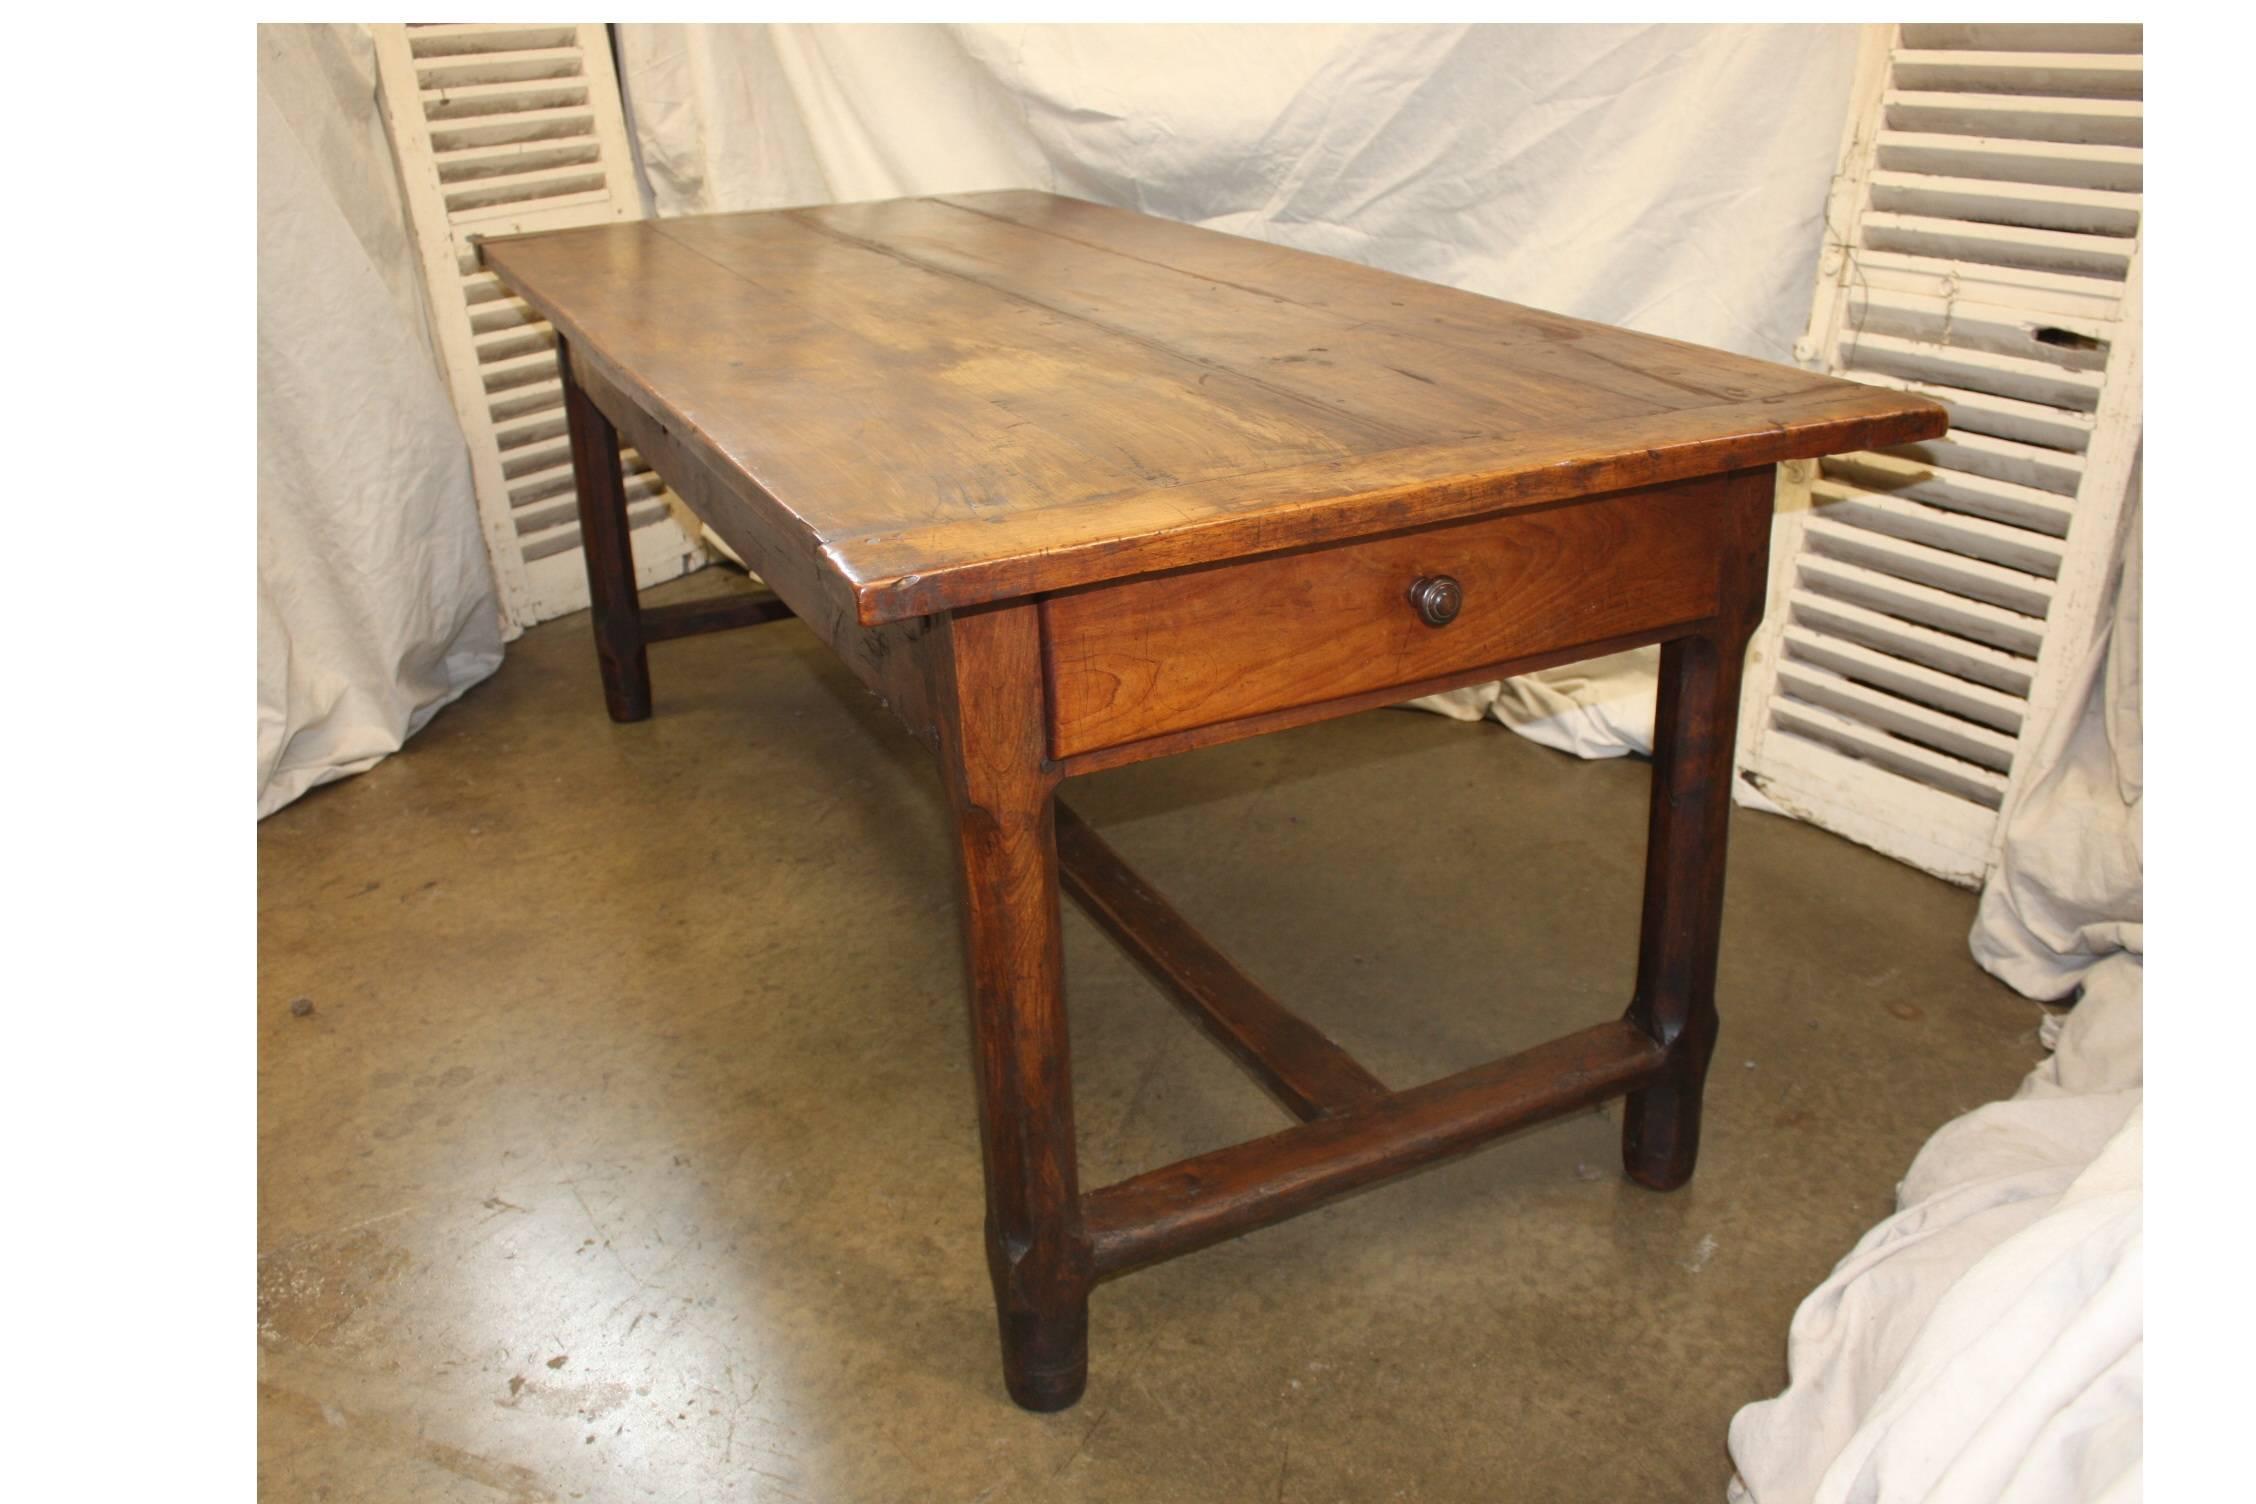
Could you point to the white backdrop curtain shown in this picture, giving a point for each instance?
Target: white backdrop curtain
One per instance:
(375, 600)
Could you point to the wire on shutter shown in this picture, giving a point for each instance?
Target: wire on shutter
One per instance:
(498, 130)
(1928, 601)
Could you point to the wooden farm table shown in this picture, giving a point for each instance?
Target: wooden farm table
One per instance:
(1071, 487)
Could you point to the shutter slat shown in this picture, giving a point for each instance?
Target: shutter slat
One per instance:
(1964, 323)
(515, 157)
(1943, 692)
(562, 509)
(2067, 164)
(519, 401)
(556, 123)
(1956, 656)
(439, 103)
(1937, 527)
(2061, 252)
(503, 375)
(2017, 117)
(1974, 370)
(2083, 74)
(556, 184)
(482, 287)
(461, 39)
(1959, 615)
(1971, 579)
(1987, 414)
(565, 536)
(2079, 210)
(1906, 759)
(2020, 286)
(1977, 454)
(2019, 507)
(458, 71)
(531, 429)
(2021, 36)
(506, 345)
(1953, 736)
(497, 314)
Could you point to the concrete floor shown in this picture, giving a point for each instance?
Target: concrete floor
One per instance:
(627, 1150)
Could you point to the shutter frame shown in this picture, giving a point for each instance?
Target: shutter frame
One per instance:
(1929, 605)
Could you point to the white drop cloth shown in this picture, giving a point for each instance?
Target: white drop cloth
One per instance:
(375, 599)
(2070, 885)
(1664, 178)
(1600, 707)
(1986, 1342)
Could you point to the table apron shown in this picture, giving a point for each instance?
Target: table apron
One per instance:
(1137, 661)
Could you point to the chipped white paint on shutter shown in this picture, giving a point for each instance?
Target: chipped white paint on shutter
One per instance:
(1928, 602)
(498, 130)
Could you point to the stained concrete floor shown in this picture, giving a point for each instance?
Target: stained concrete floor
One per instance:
(627, 1150)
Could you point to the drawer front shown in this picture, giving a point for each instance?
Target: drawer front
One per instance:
(1197, 647)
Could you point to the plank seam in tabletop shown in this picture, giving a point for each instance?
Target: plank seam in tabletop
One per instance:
(1274, 295)
(878, 248)
(1554, 332)
(1539, 319)
(955, 201)
(1062, 417)
(1403, 440)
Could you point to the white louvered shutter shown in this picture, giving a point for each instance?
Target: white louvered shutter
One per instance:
(1928, 602)
(498, 130)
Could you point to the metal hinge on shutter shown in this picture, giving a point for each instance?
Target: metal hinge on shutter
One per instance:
(497, 130)
(1928, 602)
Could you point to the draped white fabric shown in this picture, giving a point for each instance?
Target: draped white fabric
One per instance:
(1668, 179)
(375, 601)
(2069, 888)
(1986, 1341)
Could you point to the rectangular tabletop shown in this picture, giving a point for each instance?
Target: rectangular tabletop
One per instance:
(948, 401)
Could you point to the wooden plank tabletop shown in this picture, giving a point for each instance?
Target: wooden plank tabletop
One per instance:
(962, 399)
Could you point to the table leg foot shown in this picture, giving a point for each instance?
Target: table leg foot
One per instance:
(1661, 1135)
(1045, 1354)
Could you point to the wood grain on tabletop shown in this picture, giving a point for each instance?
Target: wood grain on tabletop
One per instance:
(970, 398)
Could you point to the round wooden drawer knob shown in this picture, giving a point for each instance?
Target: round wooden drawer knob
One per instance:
(1438, 598)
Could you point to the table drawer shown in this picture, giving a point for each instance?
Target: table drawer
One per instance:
(1196, 647)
